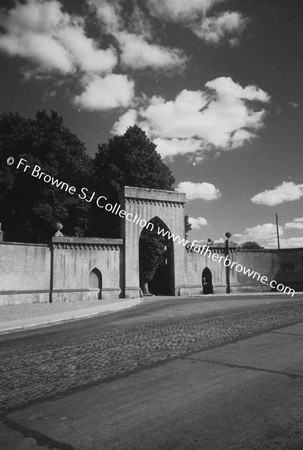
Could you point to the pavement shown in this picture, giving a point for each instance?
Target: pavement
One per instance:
(32, 316)
(38, 315)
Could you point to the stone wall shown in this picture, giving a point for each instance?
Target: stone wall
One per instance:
(74, 260)
(24, 273)
(69, 269)
(285, 266)
(195, 263)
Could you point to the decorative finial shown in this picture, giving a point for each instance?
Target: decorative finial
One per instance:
(58, 227)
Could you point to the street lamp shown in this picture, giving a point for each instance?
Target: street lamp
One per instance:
(228, 235)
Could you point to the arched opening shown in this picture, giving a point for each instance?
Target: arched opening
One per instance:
(207, 283)
(95, 282)
(156, 259)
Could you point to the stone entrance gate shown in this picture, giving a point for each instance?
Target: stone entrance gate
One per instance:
(148, 204)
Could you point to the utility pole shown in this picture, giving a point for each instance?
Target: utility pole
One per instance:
(277, 225)
(226, 251)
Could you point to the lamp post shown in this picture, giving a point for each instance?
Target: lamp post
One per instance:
(228, 235)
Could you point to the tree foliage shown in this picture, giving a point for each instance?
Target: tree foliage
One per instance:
(132, 160)
(151, 249)
(187, 226)
(127, 160)
(250, 245)
(29, 207)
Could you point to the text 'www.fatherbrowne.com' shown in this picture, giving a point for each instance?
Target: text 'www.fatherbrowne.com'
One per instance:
(206, 251)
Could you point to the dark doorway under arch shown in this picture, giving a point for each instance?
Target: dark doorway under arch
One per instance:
(156, 260)
(95, 282)
(207, 283)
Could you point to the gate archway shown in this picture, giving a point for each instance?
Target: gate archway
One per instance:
(156, 260)
(141, 206)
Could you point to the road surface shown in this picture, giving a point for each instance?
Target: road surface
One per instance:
(172, 373)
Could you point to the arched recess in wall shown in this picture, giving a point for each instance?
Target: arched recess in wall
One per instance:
(95, 281)
(207, 283)
(156, 259)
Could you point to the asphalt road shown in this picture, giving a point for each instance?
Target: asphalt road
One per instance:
(171, 373)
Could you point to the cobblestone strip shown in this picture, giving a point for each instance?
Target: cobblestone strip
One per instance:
(34, 370)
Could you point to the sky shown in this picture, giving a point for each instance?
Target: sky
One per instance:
(215, 84)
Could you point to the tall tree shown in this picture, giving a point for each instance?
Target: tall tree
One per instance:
(29, 206)
(127, 160)
(131, 160)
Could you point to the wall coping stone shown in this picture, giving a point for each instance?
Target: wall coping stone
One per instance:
(86, 241)
(267, 250)
(24, 244)
(152, 194)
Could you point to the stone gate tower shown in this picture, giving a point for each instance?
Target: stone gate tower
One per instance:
(168, 206)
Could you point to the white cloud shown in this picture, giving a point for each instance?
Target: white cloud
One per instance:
(221, 117)
(265, 235)
(197, 222)
(138, 50)
(102, 93)
(126, 120)
(108, 13)
(170, 147)
(194, 15)
(205, 191)
(180, 10)
(51, 40)
(137, 53)
(85, 53)
(225, 86)
(295, 224)
(293, 242)
(42, 50)
(229, 24)
(286, 192)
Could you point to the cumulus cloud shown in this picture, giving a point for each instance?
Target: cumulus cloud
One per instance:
(194, 14)
(137, 53)
(225, 25)
(205, 191)
(127, 119)
(51, 40)
(295, 224)
(265, 235)
(168, 148)
(293, 242)
(197, 222)
(180, 10)
(286, 192)
(221, 117)
(103, 93)
(138, 49)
